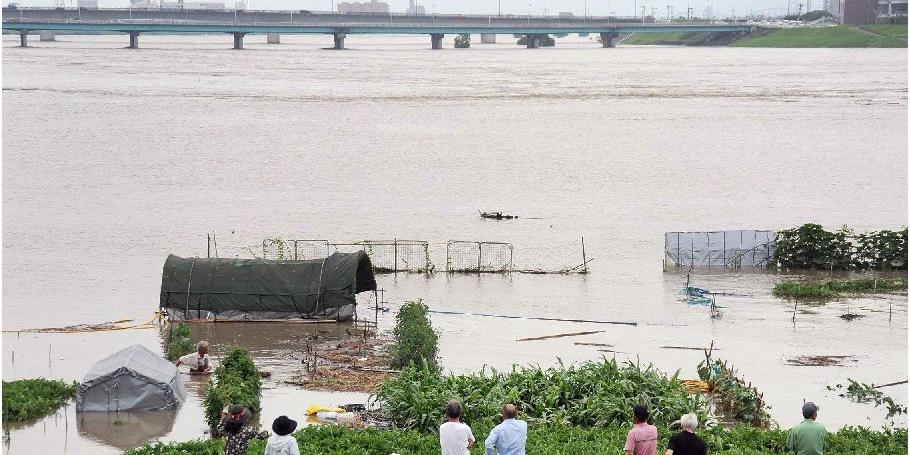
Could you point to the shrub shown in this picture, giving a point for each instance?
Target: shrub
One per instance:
(591, 394)
(235, 381)
(810, 246)
(29, 399)
(732, 396)
(415, 340)
(179, 342)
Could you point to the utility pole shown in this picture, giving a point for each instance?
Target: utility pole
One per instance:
(634, 8)
(500, 8)
(688, 11)
(669, 14)
(642, 14)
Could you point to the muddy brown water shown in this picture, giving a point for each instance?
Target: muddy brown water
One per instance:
(114, 159)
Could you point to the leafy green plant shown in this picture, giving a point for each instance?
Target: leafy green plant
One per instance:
(29, 399)
(235, 381)
(179, 342)
(591, 394)
(860, 392)
(810, 246)
(415, 340)
(463, 41)
(551, 440)
(732, 395)
(835, 288)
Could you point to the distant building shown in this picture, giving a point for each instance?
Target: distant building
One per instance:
(371, 6)
(834, 7)
(88, 4)
(888, 9)
(566, 14)
(414, 8)
(859, 12)
(192, 5)
(142, 4)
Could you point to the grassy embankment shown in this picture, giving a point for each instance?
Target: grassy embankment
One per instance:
(833, 289)
(30, 399)
(808, 37)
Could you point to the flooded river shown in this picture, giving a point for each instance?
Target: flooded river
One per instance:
(112, 159)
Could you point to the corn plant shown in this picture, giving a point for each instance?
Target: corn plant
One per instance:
(235, 381)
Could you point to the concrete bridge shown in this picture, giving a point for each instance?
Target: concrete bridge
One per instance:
(239, 23)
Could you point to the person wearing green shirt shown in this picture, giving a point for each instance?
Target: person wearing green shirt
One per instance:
(808, 438)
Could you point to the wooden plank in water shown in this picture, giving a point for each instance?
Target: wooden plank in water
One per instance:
(572, 334)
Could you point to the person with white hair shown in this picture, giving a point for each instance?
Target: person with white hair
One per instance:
(197, 361)
(686, 442)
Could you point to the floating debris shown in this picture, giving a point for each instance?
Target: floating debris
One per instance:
(687, 348)
(820, 360)
(496, 216)
(851, 316)
(604, 345)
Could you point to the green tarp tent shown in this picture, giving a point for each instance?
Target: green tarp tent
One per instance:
(257, 289)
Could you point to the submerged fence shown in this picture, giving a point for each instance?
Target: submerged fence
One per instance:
(719, 249)
(397, 255)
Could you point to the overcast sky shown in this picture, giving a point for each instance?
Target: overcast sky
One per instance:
(595, 7)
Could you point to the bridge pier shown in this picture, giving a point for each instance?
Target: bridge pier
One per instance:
(134, 40)
(47, 36)
(436, 40)
(533, 41)
(488, 38)
(273, 38)
(23, 38)
(238, 40)
(608, 39)
(339, 40)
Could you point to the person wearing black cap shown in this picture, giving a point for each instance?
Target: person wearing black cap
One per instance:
(808, 438)
(282, 442)
(236, 431)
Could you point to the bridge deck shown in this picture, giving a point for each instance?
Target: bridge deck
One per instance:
(296, 22)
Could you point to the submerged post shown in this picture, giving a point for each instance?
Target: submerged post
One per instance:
(47, 36)
(608, 39)
(339, 40)
(238, 40)
(23, 38)
(436, 40)
(134, 40)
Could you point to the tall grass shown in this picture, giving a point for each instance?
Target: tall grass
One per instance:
(179, 342)
(818, 37)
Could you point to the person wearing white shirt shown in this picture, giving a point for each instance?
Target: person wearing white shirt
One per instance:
(197, 361)
(455, 438)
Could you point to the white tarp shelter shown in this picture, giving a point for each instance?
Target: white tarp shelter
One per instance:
(742, 248)
(131, 379)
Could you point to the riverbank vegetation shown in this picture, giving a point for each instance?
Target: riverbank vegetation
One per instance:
(553, 440)
(832, 289)
(803, 37)
(29, 399)
(810, 246)
(733, 397)
(235, 381)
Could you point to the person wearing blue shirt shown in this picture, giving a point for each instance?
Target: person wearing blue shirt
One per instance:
(510, 436)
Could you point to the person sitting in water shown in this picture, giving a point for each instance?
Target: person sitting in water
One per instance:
(236, 431)
(197, 361)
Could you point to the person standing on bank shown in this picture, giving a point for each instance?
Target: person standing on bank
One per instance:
(282, 442)
(808, 438)
(642, 438)
(686, 442)
(198, 361)
(455, 437)
(510, 436)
